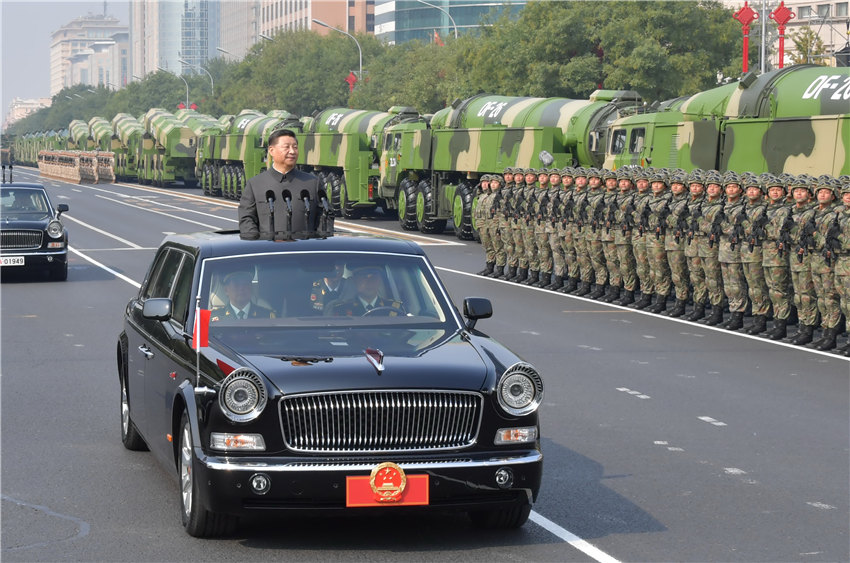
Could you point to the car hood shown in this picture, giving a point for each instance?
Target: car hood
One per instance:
(12, 221)
(454, 364)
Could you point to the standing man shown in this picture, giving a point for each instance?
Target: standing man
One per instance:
(639, 211)
(555, 233)
(801, 272)
(708, 239)
(540, 225)
(273, 187)
(482, 223)
(822, 261)
(581, 231)
(659, 208)
(566, 232)
(695, 271)
(593, 235)
(505, 214)
(495, 227)
(731, 267)
(775, 252)
(624, 224)
(608, 225)
(752, 256)
(675, 240)
(842, 261)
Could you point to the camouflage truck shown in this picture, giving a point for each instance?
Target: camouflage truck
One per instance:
(230, 154)
(342, 147)
(80, 136)
(168, 150)
(791, 120)
(432, 169)
(102, 134)
(129, 133)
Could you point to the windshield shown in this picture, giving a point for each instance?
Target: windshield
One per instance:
(24, 202)
(320, 303)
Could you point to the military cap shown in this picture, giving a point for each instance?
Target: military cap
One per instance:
(844, 179)
(624, 173)
(244, 276)
(696, 176)
(749, 179)
(546, 171)
(828, 186)
(529, 171)
(606, 173)
(484, 178)
(770, 180)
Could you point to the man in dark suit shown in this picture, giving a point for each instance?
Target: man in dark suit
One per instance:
(280, 181)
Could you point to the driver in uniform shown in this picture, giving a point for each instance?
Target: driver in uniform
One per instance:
(367, 282)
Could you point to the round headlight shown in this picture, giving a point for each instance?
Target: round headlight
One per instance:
(520, 389)
(243, 396)
(54, 229)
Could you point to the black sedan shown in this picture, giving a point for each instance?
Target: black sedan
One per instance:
(32, 236)
(323, 375)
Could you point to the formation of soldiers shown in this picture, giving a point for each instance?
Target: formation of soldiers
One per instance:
(776, 246)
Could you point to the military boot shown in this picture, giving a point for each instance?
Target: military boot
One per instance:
(544, 280)
(716, 316)
(521, 274)
(557, 283)
(804, 334)
(488, 269)
(697, 313)
(827, 342)
(531, 279)
(780, 329)
(497, 272)
(611, 294)
(644, 301)
(570, 285)
(660, 304)
(627, 297)
(508, 273)
(582, 290)
(735, 322)
(678, 310)
(599, 291)
(759, 325)
(845, 350)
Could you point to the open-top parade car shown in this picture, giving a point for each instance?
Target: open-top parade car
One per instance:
(323, 374)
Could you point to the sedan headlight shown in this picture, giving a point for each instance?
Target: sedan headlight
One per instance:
(520, 389)
(243, 396)
(54, 229)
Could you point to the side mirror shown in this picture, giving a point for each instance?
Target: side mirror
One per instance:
(61, 208)
(475, 308)
(158, 309)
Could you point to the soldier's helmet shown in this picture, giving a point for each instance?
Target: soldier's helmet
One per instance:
(508, 170)
(679, 177)
(713, 177)
(593, 173)
(568, 171)
(499, 179)
(658, 176)
(580, 172)
(768, 180)
(828, 182)
(624, 173)
(697, 176)
(606, 173)
(731, 177)
(802, 181)
(845, 184)
(641, 174)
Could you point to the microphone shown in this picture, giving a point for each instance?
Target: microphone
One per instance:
(323, 198)
(287, 199)
(270, 197)
(305, 197)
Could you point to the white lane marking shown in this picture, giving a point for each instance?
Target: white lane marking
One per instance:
(634, 393)
(102, 232)
(104, 267)
(710, 420)
(821, 505)
(669, 447)
(660, 442)
(582, 545)
(149, 198)
(157, 212)
(686, 376)
(531, 332)
(734, 471)
(692, 334)
(648, 336)
(587, 347)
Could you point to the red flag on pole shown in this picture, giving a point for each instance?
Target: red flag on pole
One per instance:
(438, 40)
(352, 80)
(201, 334)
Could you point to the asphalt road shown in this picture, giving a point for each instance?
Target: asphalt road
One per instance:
(663, 440)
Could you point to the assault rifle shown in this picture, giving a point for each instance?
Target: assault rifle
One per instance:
(784, 242)
(807, 238)
(569, 211)
(682, 224)
(737, 229)
(757, 230)
(541, 206)
(629, 217)
(661, 227)
(715, 232)
(644, 220)
(832, 244)
(495, 204)
(555, 206)
(694, 224)
(582, 213)
(611, 215)
(598, 212)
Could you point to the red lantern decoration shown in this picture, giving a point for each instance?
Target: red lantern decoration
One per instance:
(746, 16)
(781, 16)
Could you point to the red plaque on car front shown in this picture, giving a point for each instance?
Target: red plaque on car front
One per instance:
(386, 486)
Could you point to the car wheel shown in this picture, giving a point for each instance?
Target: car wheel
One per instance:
(197, 520)
(130, 436)
(501, 519)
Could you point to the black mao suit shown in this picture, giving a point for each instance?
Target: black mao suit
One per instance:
(254, 208)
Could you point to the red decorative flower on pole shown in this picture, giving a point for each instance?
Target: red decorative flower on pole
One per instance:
(746, 16)
(781, 16)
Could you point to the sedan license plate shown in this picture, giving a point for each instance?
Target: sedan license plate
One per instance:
(387, 486)
(11, 260)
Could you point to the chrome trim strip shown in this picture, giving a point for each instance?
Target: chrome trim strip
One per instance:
(219, 464)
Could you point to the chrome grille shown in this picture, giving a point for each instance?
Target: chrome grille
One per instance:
(20, 240)
(380, 421)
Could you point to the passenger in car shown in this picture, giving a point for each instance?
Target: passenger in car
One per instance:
(240, 305)
(367, 282)
(328, 288)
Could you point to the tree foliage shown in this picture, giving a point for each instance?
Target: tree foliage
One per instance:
(808, 47)
(569, 49)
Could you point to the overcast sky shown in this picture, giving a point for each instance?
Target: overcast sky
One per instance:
(25, 28)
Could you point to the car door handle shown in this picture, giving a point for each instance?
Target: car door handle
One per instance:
(146, 351)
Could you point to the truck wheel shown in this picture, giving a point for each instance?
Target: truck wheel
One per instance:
(462, 213)
(407, 205)
(348, 212)
(336, 197)
(239, 181)
(424, 218)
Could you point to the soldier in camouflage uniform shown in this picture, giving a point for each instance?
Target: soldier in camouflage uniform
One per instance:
(752, 257)
(801, 271)
(581, 230)
(554, 230)
(609, 228)
(482, 218)
(842, 260)
(734, 282)
(821, 262)
(623, 226)
(541, 225)
(527, 226)
(596, 212)
(775, 253)
(566, 213)
(518, 224)
(641, 211)
(675, 241)
(696, 273)
(659, 208)
(495, 227)
(707, 239)
(505, 216)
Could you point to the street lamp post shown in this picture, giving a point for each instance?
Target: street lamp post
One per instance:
(212, 84)
(442, 10)
(266, 37)
(181, 78)
(359, 50)
(225, 51)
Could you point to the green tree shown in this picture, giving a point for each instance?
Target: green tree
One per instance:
(808, 47)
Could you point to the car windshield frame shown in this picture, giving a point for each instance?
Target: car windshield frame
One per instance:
(29, 212)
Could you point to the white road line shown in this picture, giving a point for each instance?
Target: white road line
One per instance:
(821, 505)
(734, 471)
(588, 549)
(710, 420)
(214, 227)
(104, 267)
(102, 232)
(146, 199)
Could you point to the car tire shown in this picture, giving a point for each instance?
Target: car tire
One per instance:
(407, 205)
(501, 519)
(130, 436)
(462, 213)
(424, 220)
(197, 520)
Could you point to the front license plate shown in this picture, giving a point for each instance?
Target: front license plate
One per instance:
(359, 491)
(11, 260)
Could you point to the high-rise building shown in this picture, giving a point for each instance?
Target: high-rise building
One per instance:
(19, 108)
(240, 26)
(398, 21)
(74, 40)
(352, 16)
